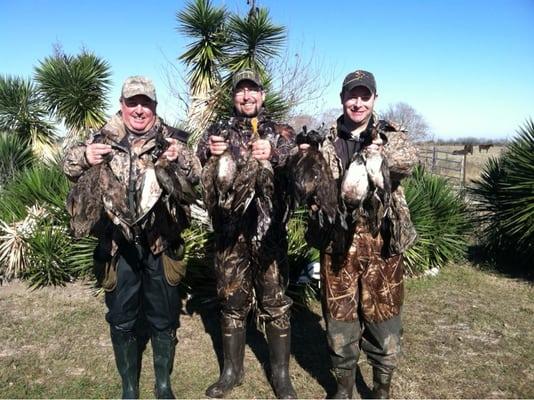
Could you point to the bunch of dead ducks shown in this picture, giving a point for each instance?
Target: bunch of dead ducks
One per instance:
(235, 181)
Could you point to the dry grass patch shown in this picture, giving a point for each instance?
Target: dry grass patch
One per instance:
(467, 334)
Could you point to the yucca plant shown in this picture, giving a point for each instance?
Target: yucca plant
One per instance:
(504, 196)
(14, 243)
(48, 249)
(15, 155)
(41, 184)
(441, 218)
(223, 43)
(76, 89)
(23, 111)
(79, 259)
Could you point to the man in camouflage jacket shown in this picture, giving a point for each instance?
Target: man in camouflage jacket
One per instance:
(138, 227)
(247, 265)
(361, 268)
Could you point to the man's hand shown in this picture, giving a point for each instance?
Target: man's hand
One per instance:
(217, 145)
(95, 152)
(261, 149)
(172, 151)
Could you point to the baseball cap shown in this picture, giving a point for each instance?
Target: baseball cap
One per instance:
(359, 78)
(246, 75)
(136, 85)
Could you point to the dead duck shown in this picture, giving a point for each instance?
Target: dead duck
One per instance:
(235, 181)
(312, 180)
(366, 186)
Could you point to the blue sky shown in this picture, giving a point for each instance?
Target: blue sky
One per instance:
(467, 66)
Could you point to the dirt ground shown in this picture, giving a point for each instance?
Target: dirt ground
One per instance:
(467, 334)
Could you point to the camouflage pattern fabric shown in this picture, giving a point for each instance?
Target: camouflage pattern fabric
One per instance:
(248, 270)
(131, 194)
(362, 281)
(247, 275)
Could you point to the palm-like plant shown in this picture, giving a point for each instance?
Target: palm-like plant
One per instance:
(14, 156)
(14, 243)
(76, 88)
(23, 111)
(41, 184)
(440, 216)
(206, 25)
(222, 44)
(255, 41)
(505, 201)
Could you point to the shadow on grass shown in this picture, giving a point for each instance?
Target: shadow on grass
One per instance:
(507, 263)
(308, 340)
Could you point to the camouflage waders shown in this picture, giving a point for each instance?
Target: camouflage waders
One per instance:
(362, 299)
(245, 270)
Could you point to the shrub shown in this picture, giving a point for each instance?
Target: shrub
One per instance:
(440, 216)
(41, 184)
(15, 154)
(504, 197)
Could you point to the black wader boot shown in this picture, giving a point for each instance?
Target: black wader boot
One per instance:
(163, 347)
(126, 351)
(233, 341)
(346, 379)
(381, 384)
(279, 341)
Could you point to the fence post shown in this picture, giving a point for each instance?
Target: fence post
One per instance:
(464, 168)
(433, 159)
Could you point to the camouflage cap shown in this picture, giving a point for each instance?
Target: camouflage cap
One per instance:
(359, 78)
(138, 85)
(246, 75)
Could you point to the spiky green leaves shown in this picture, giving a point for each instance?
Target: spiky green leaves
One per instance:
(441, 220)
(505, 200)
(22, 109)
(206, 25)
(76, 88)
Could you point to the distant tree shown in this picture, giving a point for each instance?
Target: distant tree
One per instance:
(298, 121)
(329, 116)
(409, 119)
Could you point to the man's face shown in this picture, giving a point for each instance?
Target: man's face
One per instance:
(248, 98)
(138, 113)
(358, 104)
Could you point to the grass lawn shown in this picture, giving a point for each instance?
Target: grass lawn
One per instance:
(467, 334)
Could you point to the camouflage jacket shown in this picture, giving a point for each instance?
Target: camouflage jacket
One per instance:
(282, 140)
(401, 157)
(131, 194)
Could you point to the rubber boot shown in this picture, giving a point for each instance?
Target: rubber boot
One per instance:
(279, 341)
(381, 384)
(346, 380)
(125, 347)
(233, 341)
(143, 336)
(163, 348)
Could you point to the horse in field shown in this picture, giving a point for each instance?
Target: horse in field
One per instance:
(468, 148)
(484, 147)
